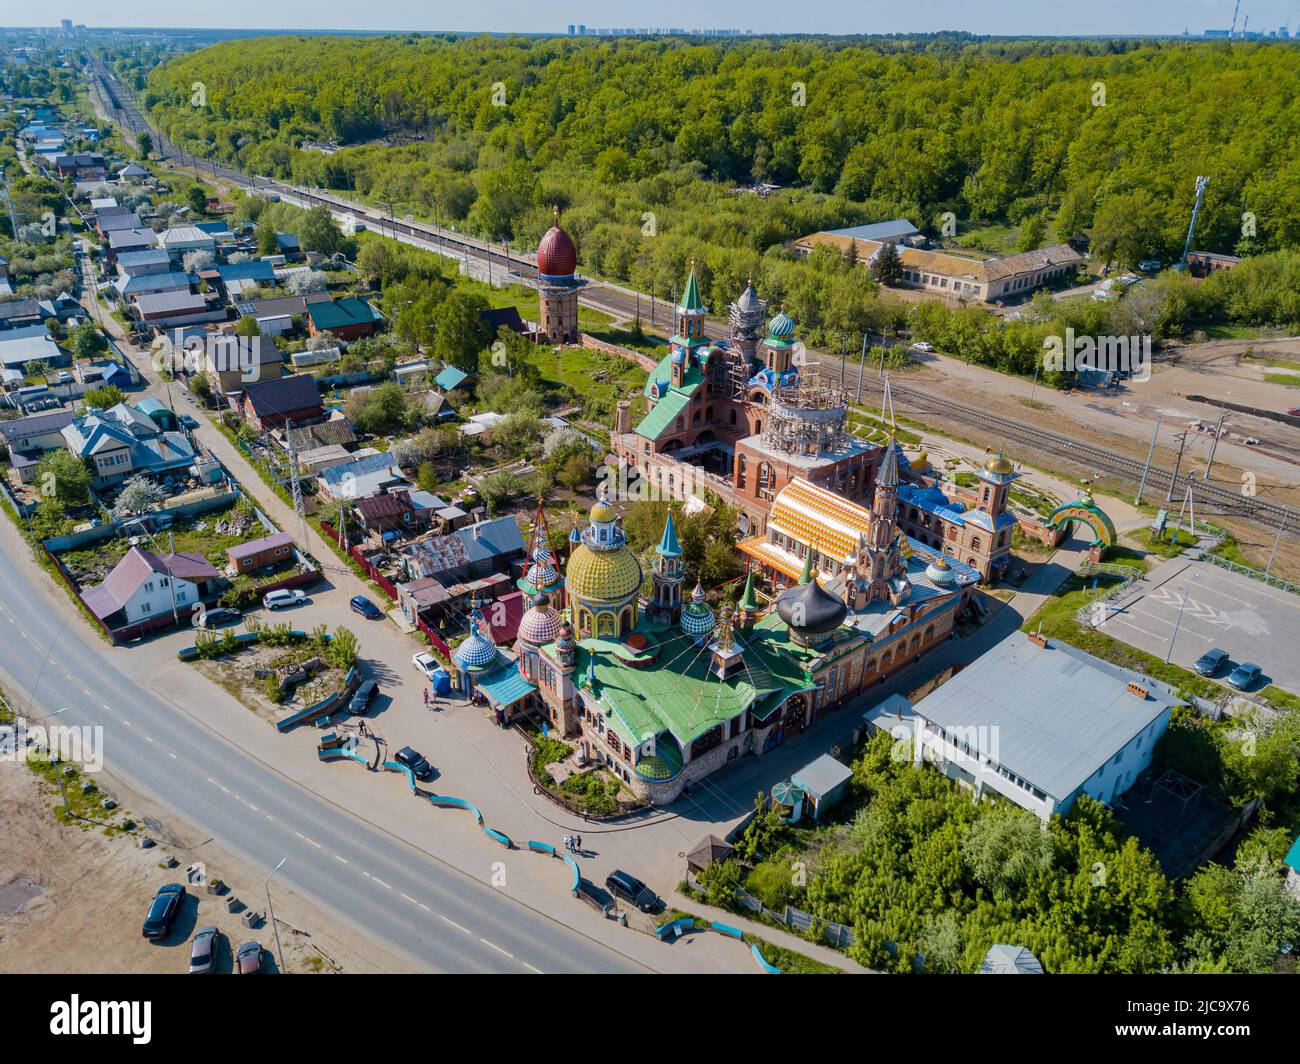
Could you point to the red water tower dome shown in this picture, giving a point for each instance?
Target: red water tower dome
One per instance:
(557, 258)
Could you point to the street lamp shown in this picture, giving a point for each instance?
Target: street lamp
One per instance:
(270, 911)
(1182, 606)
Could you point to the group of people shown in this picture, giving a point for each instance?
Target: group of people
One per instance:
(573, 843)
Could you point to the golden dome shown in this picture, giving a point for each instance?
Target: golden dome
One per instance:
(922, 459)
(602, 511)
(596, 576)
(998, 463)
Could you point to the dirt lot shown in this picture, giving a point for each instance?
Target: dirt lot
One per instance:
(72, 897)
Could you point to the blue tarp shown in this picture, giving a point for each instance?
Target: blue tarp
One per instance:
(506, 686)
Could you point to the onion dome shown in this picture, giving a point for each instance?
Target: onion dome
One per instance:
(749, 302)
(603, 575)
(781, 327)
(603, 511)
(999, 464)
(564, 640)
(921, 461)
(477, 651)
(940, 572)
(809, 609)
(540, 623)
(542, 574)
(556, 256)
(697, 618)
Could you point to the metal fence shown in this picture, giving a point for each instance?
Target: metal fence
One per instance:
(1254, 574)
(834, 934)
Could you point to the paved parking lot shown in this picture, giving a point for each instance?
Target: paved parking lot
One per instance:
(1248, 619)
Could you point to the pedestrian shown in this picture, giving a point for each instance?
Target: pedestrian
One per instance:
(426, 696)
(566, 842)
(578, 844)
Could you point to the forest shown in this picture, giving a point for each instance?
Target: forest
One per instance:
(647, 146)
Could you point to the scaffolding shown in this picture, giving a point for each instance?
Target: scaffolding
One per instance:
(809, 417)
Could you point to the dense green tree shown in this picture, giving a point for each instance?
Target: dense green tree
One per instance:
(460, 332)
(62, 475)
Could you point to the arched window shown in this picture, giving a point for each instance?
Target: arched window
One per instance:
(732, 417)
(708, 414)
(975, 543)
(741, 466)
(681, 423)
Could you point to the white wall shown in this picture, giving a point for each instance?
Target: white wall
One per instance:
(153, 598)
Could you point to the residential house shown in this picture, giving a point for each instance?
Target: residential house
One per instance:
(32, 343)
(83, 166)
(275, 549)
(388, 514)
(165, 310)
(146, 587)
(132, 172)
(1038, 722)
(361, 477)
(336, 431)
(115, 220)
(130, 287)
(348, 319)
(141, 263)
(20, 314)
(270, 404)
(122, 441)
(232, 363)
(469, 552)
(289, 246)
(182, 238)
(124, 240)
(243, 275)
(27, 438)
(449, 378)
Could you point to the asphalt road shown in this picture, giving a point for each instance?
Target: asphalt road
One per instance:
(441, 918)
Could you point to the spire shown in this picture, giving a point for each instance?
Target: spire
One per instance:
(668, 545)
(806, 577)
(888, 477)
(555, 213)
(691, 293)
(749, 600)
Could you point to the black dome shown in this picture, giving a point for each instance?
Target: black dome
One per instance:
(810, 609)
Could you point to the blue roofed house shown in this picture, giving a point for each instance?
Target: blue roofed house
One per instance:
(362, 477)
(449, 378)
(1292, 862)
(122, 441)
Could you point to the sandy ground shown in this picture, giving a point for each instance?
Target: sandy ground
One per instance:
(72, 898)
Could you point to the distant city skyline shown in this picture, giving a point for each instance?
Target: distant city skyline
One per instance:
(1009, 17)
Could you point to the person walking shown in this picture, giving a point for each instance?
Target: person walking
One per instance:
(577, 844)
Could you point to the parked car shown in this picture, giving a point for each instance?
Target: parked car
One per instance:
(220, 615)
(362, 698)
(415, 761)
(188, 422)
(923, 345)
(1149, 265)
(426, 663)
(1210, 662)
(1244, 676)
(362, 605)
(1294, 411)
(162, 910)
(626, 886)
(65, 377)
(286, 596)
(203, 950)
(248, 961)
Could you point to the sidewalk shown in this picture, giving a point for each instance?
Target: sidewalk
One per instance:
(769, 933)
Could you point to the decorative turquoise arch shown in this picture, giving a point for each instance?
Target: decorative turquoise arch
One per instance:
(1086, 512)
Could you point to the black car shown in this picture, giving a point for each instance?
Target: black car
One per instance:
(361, 700)
(626, 886)
(414, 760)
(162, 911)
(1210, 662)
(362, 605)
(220, 615)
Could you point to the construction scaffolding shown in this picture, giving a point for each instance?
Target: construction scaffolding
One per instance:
(808, 417)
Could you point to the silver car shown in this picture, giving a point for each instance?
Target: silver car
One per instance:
(203, 950)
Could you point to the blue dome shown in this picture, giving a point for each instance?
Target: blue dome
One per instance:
(475, 652)
(781, 327)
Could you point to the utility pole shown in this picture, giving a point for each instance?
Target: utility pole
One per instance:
(171, 580)
(1173, 478)
(1214, 443)
(1186, 591)
(1146, 466)
(270, 912)
(862, 369)
(1273, 556)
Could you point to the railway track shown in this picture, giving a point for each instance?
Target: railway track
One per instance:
(1210, 496)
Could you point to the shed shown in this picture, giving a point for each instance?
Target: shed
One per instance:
(708, 850)
(823, 782)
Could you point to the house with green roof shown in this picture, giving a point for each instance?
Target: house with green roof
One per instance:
(346, 319)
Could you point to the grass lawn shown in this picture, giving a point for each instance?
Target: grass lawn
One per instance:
(1291, 380)
(790, 962)
(1230, 552)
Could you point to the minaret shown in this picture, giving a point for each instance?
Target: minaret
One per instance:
(747, 607)
(880, 559)
(668, 574)
(689, 315)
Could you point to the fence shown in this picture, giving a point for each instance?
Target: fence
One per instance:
(1254, 574)
(1128, 575)
(837, 935)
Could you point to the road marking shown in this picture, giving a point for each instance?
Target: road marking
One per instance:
(424, 907)
(410, 899)
(148, 738)
(307, 840)
(253, 807)
(381, 882)
(494, 946)
(213, 782)
(449, 920)
(532, 969)
(341, 859)
(171, 755)
(126, 722)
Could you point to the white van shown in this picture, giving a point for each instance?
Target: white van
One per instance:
(273, 600)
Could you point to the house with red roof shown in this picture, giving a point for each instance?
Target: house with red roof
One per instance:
(146, 587)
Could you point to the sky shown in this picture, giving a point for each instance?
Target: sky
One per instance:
(1027, 17)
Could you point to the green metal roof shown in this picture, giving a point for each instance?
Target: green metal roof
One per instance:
(341, 313)
(691, 295)
(664, 415)
(749, 600)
